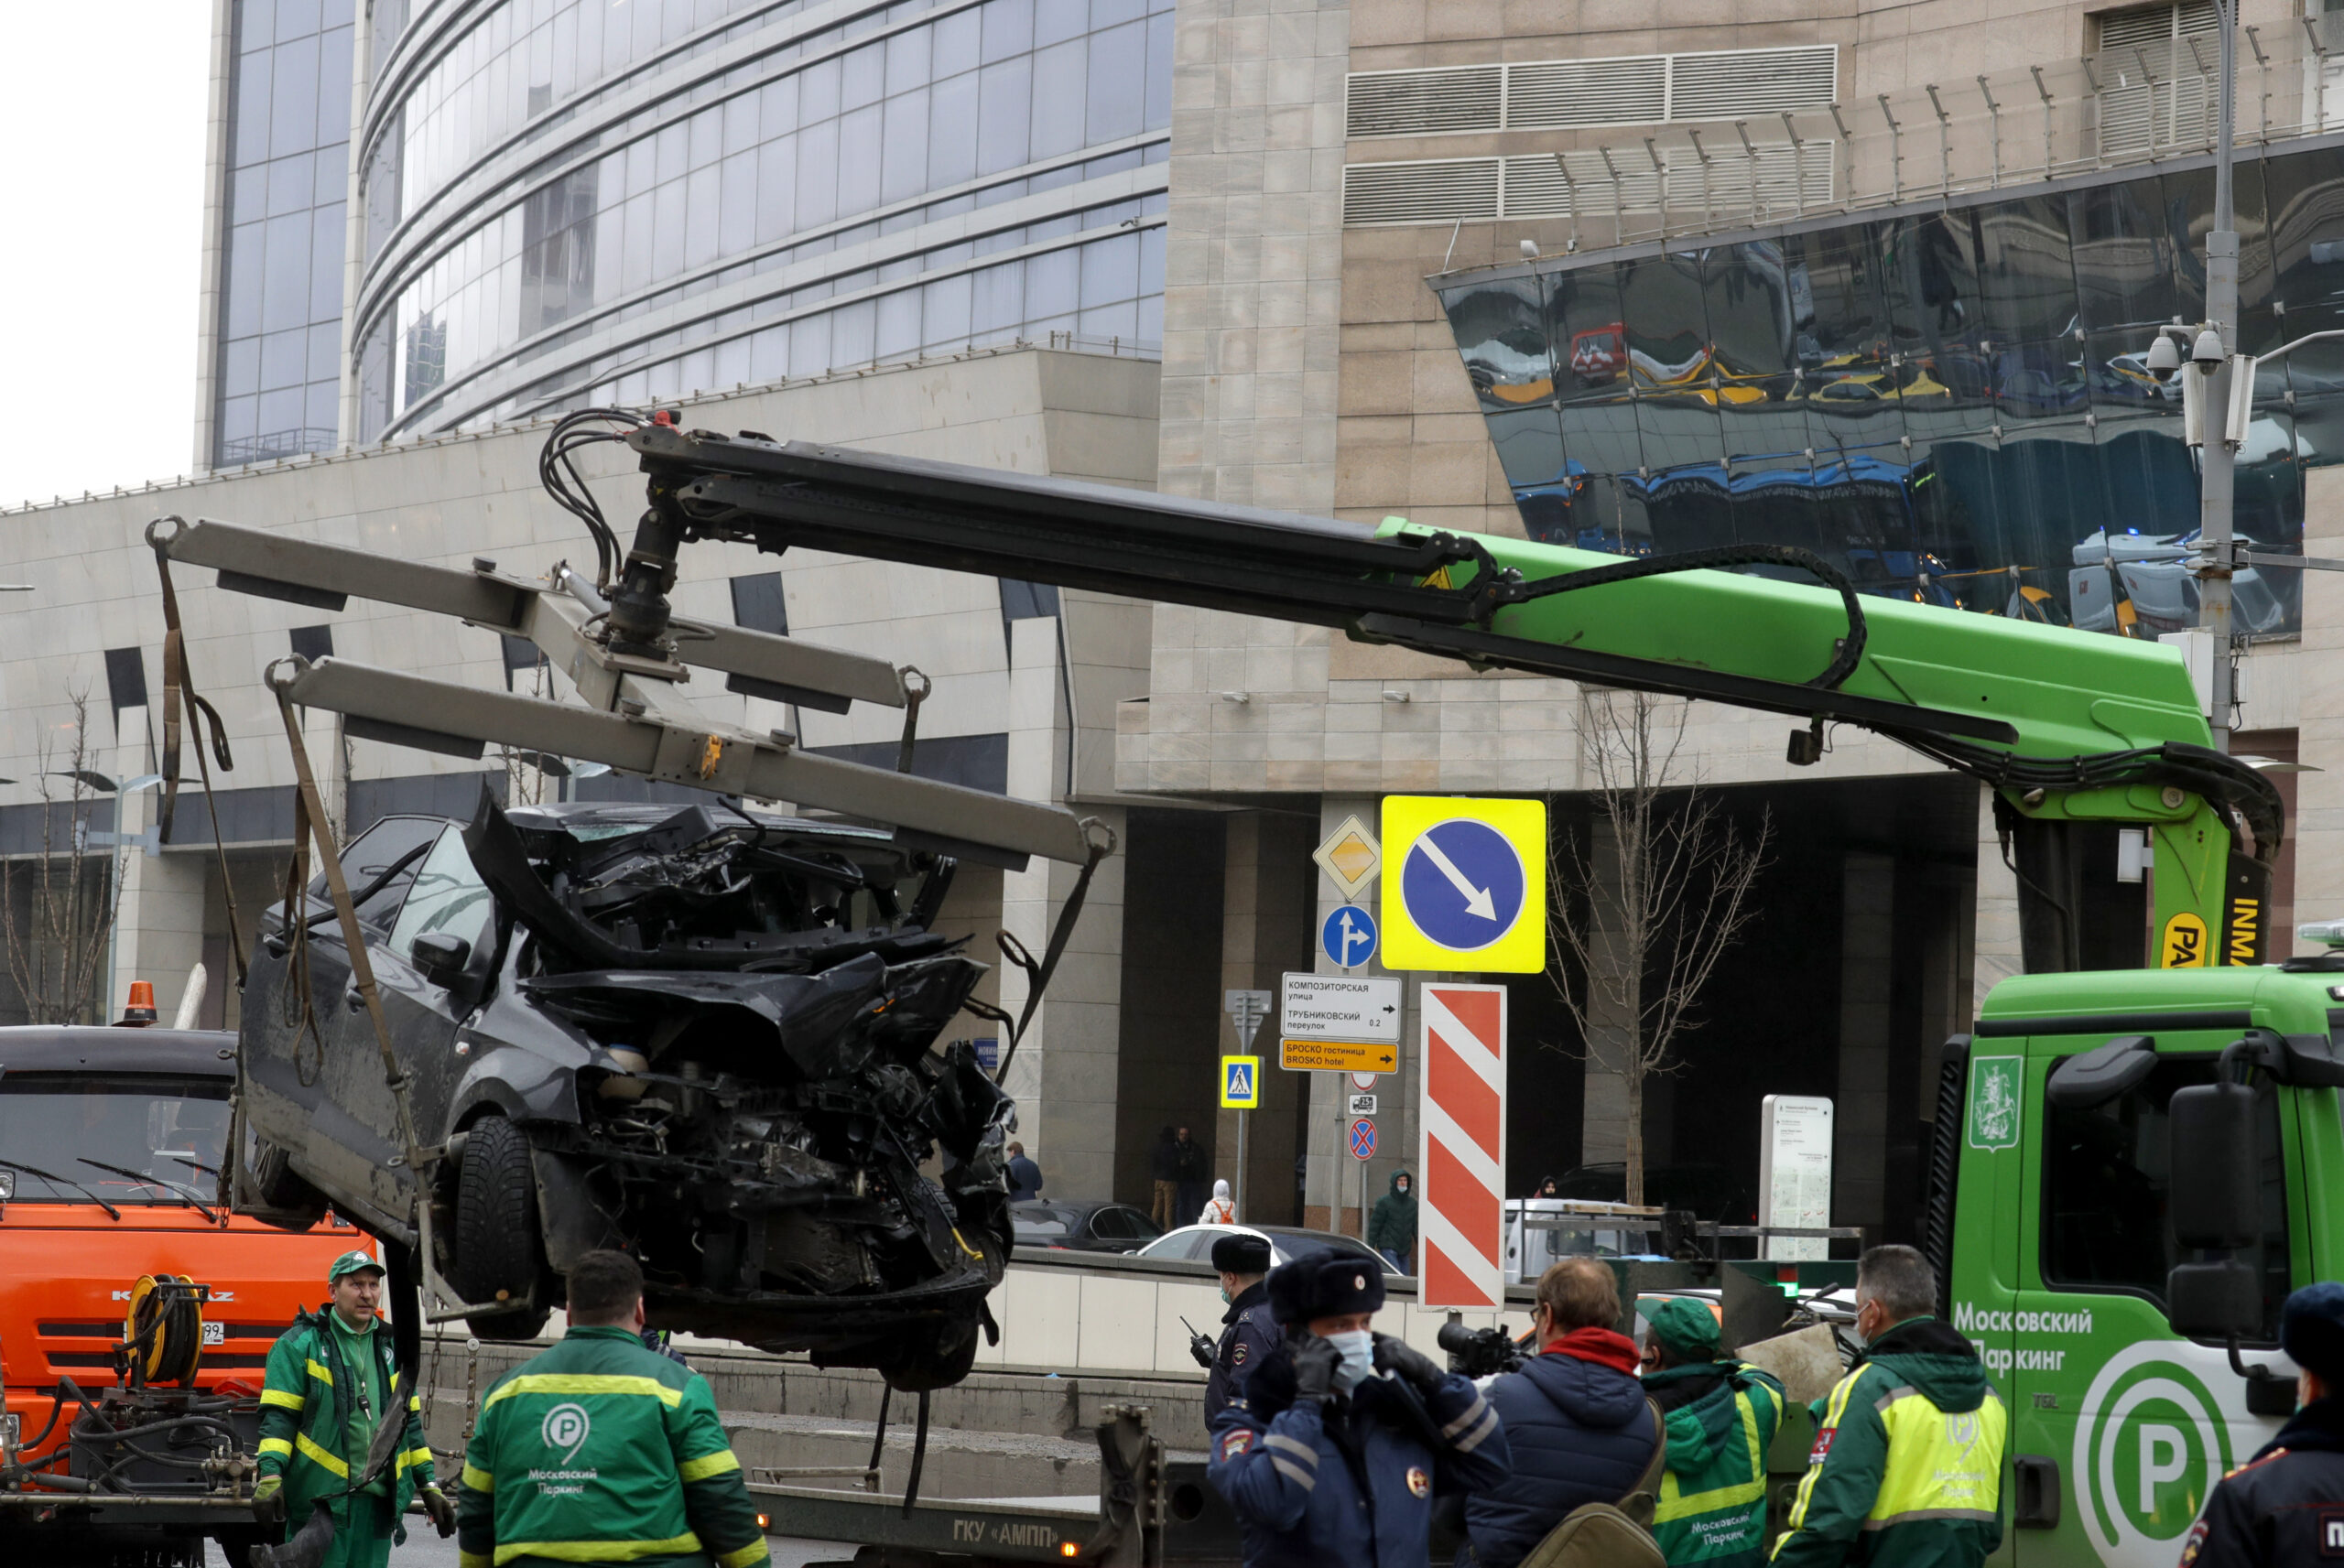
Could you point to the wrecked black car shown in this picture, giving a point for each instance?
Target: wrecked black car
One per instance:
(706, 1035)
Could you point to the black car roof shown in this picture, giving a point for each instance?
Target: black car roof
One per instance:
(87, 1048)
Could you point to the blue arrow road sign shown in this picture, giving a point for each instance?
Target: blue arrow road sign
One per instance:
(1463, 883)
(1349, 937)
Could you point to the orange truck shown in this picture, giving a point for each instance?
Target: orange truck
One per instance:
(111, 1141)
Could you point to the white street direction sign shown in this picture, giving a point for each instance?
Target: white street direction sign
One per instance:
(1362, 1010)
(1246, 1010)
(1795, 1173)
(1359, 1104)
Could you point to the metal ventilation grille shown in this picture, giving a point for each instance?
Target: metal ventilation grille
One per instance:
(1778, 181)
(1557, 93)
(1423, 102)
(1739, 82)
(1436, 191)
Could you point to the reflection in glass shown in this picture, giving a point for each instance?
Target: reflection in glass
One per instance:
(1588, 332)
(1501, 332)
(2026, 272)
(2124, 241)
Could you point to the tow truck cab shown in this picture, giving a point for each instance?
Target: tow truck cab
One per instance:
(153, 1101)
(2117, 1230)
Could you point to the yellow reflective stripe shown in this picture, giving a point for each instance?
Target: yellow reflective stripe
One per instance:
(477, 1479)
(318, 1455)
(598, 1551)
(1676, 1505)
(707, 1465)
(412, 1457)
(582, 1383)
(277, 1445)
(755, 1551)
(322, 1374)
(279, 1397)
(1832, 1414)
(415, 1402)
(1939, 1462)
(474, 1560)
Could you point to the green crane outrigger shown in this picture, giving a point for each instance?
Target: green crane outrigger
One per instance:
(2070, 727)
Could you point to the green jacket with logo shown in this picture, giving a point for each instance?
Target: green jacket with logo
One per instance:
(1722, 1415)
(600, 1451)
(1907, 1470)
(309, 1396)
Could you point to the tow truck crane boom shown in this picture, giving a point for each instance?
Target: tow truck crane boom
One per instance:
(2070, 727)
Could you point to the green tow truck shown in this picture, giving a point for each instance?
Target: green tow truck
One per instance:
(2131, 1168)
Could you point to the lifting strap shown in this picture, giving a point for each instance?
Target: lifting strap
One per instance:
(1101, 841)
(179, 686)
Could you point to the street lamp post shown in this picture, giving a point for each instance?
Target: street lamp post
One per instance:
(2219, 459)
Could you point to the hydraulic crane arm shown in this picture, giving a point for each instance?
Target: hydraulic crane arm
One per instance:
(2069, 726)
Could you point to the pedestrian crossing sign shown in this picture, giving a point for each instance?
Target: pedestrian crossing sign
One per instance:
(1240, 1082)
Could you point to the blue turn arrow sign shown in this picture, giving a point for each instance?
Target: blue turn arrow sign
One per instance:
(1463, 883)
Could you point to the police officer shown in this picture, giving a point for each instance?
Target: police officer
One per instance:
(600, 1451)
(1248, 1332)
(331, 1378)
(2286, 1504)
(1720, 1415)
(1343, 1436)
(1907, 1462)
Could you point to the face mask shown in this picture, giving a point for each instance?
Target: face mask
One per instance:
(1225, 1296)
(1357, 1349)
(1403, 1189)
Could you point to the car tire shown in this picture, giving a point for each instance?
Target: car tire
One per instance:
(287, 1200)
(498, 1245)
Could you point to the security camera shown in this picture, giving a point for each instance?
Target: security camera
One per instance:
(2164, 358)
(2206, 353)
(1529, 250)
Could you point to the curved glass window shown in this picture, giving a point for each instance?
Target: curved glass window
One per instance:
(1953, 407)
(561, 207)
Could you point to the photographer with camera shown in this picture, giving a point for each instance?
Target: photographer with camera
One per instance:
(1343, 1436)
(1576, 1421)
(1722, 1415)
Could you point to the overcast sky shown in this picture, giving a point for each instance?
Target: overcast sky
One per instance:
(102, 184)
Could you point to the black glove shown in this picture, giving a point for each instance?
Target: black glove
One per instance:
(1316, 1361)
(1407, 1362)
(442, 1511)
(1201, 1348)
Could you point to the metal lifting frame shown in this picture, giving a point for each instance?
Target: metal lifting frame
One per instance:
(631, 716)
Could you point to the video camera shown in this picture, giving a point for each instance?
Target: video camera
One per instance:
(1481, 1352)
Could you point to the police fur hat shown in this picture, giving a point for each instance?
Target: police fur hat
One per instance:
(1325, 1284)
(1241, 1254)
(2311, 1330)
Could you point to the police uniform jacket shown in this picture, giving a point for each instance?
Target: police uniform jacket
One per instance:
(2283, 1506)
(1248, 1336)
(1353, 1483)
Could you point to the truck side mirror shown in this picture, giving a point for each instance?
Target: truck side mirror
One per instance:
(442, 958)
(2217, 1203)
(2213, 1300)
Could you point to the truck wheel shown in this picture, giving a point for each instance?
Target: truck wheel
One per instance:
(289, 1201)
(497, 1242)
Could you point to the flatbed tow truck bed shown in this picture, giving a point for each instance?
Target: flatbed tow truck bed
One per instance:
(1152, 1508)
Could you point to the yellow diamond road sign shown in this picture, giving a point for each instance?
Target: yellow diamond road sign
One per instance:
(1349, 857)
(1466, 890)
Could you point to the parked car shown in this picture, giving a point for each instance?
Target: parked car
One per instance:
(701, 1033)
(1287, 1243)
(1081, 1227)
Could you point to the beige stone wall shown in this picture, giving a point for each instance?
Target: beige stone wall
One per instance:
(2318, 828)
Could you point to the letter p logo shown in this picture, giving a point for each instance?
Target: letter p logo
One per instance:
(2165, 1457)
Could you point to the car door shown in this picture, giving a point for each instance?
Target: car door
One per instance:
(448, 899)
(294, 1055)
(2125, 1424)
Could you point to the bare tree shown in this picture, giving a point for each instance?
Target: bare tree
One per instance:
(56, 940)
(1642, 914)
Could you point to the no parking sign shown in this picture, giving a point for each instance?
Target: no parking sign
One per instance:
(1363, 1140)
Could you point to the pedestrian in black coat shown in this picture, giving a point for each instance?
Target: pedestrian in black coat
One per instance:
(2286, 1504)
(1191, 1173)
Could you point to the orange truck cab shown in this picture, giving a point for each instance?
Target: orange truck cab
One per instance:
(76, 1237)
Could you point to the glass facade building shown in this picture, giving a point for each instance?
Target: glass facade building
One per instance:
(279, 386)
(615, 200)
(1951, 406)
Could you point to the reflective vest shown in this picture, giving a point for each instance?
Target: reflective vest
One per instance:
(1712, 1506)
(305, 1401)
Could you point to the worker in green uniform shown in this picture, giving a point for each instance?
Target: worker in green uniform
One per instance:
(1720, 1416)
(600, 1451)
(330, 1378)
(1908, 1462)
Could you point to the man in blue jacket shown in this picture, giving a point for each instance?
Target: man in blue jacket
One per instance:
(1344, 1434)
(1576, 1421)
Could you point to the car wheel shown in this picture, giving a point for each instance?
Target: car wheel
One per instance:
(287, 1200)
(938, 1366)
(499, 1254)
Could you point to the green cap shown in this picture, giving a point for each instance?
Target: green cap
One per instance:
(1685, 1327)
(351, 1263)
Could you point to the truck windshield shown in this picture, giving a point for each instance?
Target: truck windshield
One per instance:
(174, 1128)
